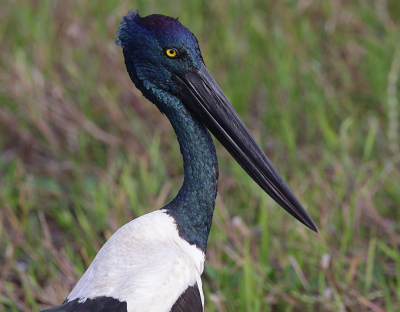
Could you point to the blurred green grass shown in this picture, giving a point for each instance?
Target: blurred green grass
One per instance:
(82, 152)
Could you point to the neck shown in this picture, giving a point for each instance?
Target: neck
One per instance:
(193, 207)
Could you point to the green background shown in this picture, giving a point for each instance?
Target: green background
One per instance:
(82, 152)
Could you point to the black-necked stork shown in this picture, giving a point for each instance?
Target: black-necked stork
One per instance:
(154, 262)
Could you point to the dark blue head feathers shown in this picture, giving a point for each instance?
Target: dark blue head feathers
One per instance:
(156, 24)
(145, 42)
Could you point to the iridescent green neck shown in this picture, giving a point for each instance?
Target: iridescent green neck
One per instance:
(193, 207)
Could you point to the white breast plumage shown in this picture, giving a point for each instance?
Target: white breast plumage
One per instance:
(145, 263)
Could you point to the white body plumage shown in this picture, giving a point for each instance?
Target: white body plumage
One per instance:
(145, 263)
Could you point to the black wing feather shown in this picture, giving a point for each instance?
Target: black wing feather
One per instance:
(189, 301)
(99, 304)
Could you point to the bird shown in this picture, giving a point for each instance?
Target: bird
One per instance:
(155, 262)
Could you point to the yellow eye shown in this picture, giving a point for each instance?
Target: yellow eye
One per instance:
(171, 53)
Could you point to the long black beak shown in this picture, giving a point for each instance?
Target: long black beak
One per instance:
(201, 94)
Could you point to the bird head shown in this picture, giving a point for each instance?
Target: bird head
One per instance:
(155, 48)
